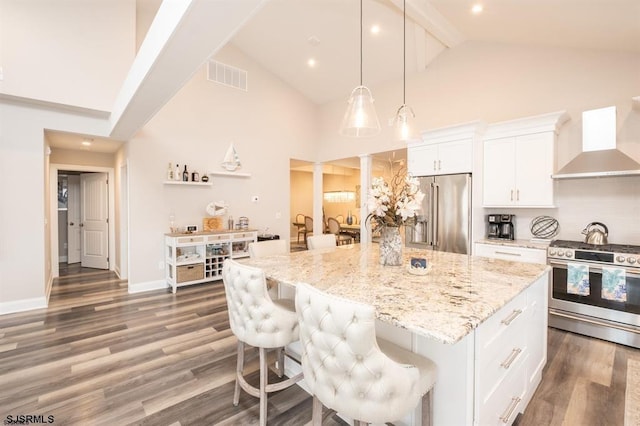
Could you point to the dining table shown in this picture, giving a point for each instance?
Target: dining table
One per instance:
(352, 230)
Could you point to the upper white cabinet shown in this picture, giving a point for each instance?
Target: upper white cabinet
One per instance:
(518, 161)
(444, 151)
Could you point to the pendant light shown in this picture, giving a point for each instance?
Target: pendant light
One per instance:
(404, 115)
(360, 119)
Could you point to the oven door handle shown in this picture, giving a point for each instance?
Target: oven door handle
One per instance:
(595, 268)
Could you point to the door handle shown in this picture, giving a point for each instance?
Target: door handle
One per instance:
(436, 208)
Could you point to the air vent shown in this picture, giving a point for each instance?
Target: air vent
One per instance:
(227, 75)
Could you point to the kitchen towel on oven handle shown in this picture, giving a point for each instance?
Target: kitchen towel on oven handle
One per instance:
(614, 284)
(578, 279)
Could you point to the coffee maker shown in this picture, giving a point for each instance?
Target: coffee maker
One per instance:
(500, 226)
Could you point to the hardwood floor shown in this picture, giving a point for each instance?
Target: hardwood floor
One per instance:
(99, 356)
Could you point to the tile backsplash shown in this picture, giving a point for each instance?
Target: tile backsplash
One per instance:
(614, 201)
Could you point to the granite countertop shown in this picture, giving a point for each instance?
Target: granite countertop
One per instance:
(534, 244)
(457, 294)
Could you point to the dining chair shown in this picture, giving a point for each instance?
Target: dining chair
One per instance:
(268, 248)
(350, 371)
(321, 241)
(300, 226)
(340, 218)
(334, 228)
(308, 228)
(259, 321)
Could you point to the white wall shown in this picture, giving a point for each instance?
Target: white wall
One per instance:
(497, 82)
(73, 52)
(268, 124)
(24, 247)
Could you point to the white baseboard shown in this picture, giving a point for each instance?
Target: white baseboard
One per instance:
(23, 305)
(116, 269)
(147, 286)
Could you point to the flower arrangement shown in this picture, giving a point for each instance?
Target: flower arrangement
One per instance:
(394, 203)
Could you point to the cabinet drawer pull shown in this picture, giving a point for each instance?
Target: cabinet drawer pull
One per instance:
(512, 357)
(434, 165)
(508, 320)
(511, 195)
(507, 253)
(509, 411)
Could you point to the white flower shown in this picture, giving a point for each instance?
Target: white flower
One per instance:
(396, 203)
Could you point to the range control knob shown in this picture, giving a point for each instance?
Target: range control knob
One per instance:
(632, 260)
(552, 252)
(568, 253)
(620, 259)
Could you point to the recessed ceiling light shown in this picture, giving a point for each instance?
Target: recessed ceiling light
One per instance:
(375, 29)
(477, 8)
(86, 143)
(311, 62)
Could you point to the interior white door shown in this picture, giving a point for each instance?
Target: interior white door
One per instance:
(94, 224)
(73, 219)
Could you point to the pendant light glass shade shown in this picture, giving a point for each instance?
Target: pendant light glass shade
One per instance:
(404, 119)
(405, 123)
(360, 119)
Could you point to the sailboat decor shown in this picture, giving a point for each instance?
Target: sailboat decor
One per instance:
(217, 208)
(231, 160)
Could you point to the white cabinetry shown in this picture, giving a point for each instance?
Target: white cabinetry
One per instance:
(440, 158)
(517, 254)
(518, 161)
(444, 151)
(510, 353)
(196, 258)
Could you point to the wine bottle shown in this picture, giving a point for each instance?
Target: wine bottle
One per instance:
(185, 174)
(176, 173)
(170, 172)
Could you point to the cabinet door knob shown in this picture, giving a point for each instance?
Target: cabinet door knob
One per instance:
(71, 223)
(81, 225)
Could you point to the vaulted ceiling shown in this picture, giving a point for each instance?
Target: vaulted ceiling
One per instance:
(285, 34)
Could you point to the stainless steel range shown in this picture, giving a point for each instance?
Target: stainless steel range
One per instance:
(595, 290)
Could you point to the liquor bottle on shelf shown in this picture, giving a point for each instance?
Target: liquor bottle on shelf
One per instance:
(176, 173)
(185, 174)
(170, 172)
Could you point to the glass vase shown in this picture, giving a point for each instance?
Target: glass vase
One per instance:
(390, 246)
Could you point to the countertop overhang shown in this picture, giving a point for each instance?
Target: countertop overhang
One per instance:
(457, 294)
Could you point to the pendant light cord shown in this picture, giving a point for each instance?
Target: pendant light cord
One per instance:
(404, 51)
(360, 42)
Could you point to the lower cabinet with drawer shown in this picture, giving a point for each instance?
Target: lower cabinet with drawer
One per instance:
(517, 254)
(197, 258)
(510, 353)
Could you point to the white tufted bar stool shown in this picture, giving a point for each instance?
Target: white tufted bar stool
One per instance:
(321, 241)
(258, 321)
(350, 371)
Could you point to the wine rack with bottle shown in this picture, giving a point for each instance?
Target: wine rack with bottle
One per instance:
(196, 258)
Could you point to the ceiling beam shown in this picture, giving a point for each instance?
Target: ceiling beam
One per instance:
(182, 37)
(424, 14)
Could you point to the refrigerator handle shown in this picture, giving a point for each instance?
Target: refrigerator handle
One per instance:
(435, 208)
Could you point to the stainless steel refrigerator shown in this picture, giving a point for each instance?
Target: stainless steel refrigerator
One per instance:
(444, 223)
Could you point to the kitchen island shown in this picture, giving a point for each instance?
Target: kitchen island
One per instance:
(482, 321)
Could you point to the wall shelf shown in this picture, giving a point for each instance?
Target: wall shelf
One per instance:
(179, 182)
(234, 174)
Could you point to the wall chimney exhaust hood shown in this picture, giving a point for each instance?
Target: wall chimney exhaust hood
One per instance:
(599, 155)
